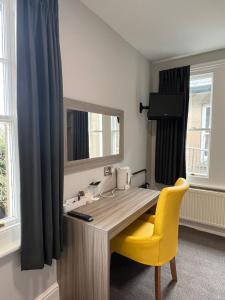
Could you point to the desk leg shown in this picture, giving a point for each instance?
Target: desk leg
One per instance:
(84, 269)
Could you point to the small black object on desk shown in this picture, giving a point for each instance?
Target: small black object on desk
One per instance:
(81, 216)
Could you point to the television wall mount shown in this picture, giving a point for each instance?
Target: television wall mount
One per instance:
(142, 107)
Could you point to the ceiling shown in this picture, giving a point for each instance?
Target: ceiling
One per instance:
(162, 29)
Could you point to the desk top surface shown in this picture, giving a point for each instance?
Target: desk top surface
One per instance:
(112, 214)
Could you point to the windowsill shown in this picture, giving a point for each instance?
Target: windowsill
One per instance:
(198, 176)
(207, 187)
(203, 183)
(9, 239)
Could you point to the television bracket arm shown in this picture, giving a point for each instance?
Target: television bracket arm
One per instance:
(142, 107)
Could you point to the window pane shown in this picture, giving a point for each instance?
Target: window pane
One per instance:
(8, 134)
(95, 122)
(200, 101)
(95, 135)
(2, 42)
(4, 176)
(197, 152)
(114, 123)
(199, 118)
(3, 89)
(115, 135)
(115, 142)
(95, 144)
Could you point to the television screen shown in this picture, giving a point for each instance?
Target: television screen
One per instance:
(163, 106)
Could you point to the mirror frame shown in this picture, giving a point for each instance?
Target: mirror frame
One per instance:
(91, 163)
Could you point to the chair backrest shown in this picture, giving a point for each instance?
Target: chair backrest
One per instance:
(167, 217)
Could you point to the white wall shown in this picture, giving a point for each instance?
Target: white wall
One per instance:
(100, 67)
(25, 285)
(217, 170)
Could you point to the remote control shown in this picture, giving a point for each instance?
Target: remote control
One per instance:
(79, 215)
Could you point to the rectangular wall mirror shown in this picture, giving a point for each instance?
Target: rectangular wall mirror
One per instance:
(93, 135)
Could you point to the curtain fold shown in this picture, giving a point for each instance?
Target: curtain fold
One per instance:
(40, 131)
(77, 133)
(171, 134)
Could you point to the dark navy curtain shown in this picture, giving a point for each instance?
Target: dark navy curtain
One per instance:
(40, 129)
(171, 134)
(77, 135)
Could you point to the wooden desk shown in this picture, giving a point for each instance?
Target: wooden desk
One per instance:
(84, 269)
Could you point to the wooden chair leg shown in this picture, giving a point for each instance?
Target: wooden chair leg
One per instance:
(173, 269)
(157, 283)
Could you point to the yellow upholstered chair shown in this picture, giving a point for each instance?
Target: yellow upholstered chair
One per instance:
(153, 240)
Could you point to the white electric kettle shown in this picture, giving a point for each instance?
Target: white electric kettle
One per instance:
(123, 178)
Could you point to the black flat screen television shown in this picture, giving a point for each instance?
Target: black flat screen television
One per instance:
(163, 106)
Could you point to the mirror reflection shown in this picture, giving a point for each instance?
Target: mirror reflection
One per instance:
(91, 135)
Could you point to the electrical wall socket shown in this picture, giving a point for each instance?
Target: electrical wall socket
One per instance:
(107, 170)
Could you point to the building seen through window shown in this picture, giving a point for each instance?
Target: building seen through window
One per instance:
(199, 124)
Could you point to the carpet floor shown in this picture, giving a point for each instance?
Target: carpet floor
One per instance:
(200, 269)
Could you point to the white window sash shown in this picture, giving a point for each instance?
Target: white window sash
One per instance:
(10, 232)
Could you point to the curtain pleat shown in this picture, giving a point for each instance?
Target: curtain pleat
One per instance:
(171, 134)
(80, 135)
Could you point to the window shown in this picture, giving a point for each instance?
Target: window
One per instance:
(199, 124)
(9, 194)
(205, 134)
(115, 135)
(95, 135)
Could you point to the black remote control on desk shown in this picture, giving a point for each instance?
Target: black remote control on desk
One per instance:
(79, 215)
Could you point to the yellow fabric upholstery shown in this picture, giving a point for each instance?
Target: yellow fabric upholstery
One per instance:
(153, 240)
(148, 218)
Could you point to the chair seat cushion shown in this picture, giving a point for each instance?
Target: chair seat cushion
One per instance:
(138, 243)
(148, 218)
(139, 230)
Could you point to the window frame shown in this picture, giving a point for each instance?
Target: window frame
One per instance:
(99, 131)
(206, 132)
(217, 163)
(201, 72)
(10, 231)
(114, 132)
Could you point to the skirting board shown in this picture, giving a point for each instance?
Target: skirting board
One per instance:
(52, 293)
(203, 227)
